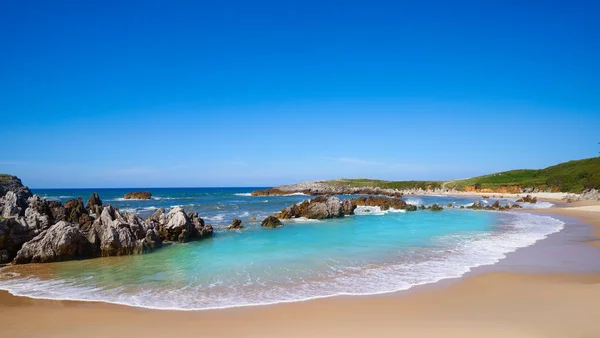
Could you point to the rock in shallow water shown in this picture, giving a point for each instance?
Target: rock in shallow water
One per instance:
(271, 222)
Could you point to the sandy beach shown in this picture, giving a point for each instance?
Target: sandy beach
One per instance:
(490, 302)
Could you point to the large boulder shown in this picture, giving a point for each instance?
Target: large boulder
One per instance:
(58, 211)
(176, 225)
(271, 222)
(62, 241)
(138, 195)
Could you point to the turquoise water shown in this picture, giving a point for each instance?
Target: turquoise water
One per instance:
(371, 252)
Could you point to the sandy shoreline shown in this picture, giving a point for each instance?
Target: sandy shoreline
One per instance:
(485, 302)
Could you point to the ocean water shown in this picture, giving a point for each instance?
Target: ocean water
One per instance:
(369, 253)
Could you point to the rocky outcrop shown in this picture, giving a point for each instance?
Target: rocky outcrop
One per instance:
(477, 205)
(14, 232)
(384, 203)
(271, 222)
(527, 199)
(435, 207)
(138, 195)
(62, 241)
(76, 213)
(38, 214)
(202, 230)
(235, 224)
(317, 189)
(320, 207)
(176, 225)
(94, 204)
(14, 184)
(111, 234)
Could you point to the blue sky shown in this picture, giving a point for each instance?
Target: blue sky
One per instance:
(239, 93)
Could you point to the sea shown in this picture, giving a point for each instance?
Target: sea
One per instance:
(371, 252)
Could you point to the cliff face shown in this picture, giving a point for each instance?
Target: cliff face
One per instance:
(14, 184)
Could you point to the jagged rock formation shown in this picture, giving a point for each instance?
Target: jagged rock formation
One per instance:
(94, 204)
(35, 230)
(271, 222)
(138, 195)
(527, 199)
(477, 205)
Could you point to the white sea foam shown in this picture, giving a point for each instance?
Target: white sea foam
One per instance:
(413, 201)
(302, 220)
(247, 194)
(367, 210)
(461, 253)
(217, 217)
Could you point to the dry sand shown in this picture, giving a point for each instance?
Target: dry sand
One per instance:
(491, 304)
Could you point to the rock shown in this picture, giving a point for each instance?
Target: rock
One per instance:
(384, 203)
(202, 230)
(112, 234)
(348, 207)
(176, 225)
(138, 195)
(271, 222)
(253, 219)
(94, 205)
(527, 199)
(436, 207)
(235, 224)
(76, 213)
(13, 204)
(476, 205)
(14, 184)
(323, 207)
(62, 241)
(14, 232)
(38, 214)
(496, 205)
(58, 211)
(422, 207)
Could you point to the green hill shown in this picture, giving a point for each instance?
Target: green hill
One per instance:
(573, 176)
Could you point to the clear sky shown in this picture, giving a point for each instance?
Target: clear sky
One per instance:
(259, 93)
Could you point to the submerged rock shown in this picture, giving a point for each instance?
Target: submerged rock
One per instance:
(271, 222)
(138, 195)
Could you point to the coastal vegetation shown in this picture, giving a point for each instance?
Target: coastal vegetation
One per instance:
(573, 176)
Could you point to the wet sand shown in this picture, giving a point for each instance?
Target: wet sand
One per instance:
(550, 289)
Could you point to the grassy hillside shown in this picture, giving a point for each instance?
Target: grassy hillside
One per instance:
(572, 176)
(400, 185)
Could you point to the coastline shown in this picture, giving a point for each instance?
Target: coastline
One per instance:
(497, 300)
